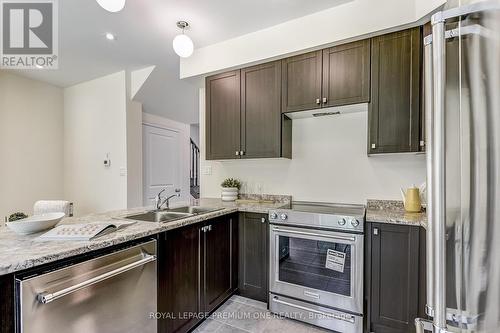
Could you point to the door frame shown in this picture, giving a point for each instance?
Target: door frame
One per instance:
(184, 135)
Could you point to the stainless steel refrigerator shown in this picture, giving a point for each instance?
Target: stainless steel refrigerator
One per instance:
(462, 104)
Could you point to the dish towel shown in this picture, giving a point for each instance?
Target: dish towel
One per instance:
(53, 206)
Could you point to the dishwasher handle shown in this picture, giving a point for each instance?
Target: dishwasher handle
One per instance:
(45, 298)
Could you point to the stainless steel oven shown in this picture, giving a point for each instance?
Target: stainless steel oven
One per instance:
(316, 264)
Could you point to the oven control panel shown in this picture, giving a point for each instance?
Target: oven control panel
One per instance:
(323, 221)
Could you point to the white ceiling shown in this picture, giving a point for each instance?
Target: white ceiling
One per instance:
(144, 31)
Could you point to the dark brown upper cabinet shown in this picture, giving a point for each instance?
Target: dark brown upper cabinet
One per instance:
(346, 74)
(394, 109)
(223, 116)
(301, 84)
(335, 76)
(255, 127)
(261, 111)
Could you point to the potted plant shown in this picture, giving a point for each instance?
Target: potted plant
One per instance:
(230, 188)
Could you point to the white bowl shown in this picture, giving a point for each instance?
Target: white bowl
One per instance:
(35, 223)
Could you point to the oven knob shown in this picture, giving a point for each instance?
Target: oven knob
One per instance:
(273, 216)
(283, 216)
(354, 223)
(341, 221)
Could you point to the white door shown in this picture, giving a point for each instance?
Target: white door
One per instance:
(163, 162)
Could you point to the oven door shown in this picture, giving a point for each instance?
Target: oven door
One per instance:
(322, 267)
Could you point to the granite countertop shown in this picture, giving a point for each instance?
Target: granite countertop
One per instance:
(392, 211)
(18, 252)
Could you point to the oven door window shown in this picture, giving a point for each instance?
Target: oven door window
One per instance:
(315, 264)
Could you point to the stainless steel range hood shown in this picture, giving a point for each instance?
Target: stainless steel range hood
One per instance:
(328, 112)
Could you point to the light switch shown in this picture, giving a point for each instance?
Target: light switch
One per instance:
(206, 170)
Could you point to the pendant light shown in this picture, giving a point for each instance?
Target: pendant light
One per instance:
(112, 6)
(183, 45)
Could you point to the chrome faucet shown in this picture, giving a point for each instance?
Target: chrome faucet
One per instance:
(160, 203)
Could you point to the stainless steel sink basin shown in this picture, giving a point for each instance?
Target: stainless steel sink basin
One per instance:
(173, 214)
(159, 216)
(194, 210)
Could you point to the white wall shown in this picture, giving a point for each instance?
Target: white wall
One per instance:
(329, 164)
(95, 124)
(134, 154)
(31, 149)
(347, 21)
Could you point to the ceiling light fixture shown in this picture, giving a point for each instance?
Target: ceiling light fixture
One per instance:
(112, 6)
(110, 36)
(183, 45)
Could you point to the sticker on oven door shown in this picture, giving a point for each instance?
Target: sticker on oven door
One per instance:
(335, 260)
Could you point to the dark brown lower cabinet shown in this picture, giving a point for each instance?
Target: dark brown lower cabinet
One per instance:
(394, 274)
(219, 261)
(178, 281)
(7, 303)
(253, 256)
(197, 270)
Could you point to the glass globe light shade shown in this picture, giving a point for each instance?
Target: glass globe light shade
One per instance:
(183, 46)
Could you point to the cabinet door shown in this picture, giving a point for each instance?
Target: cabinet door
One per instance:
(394, 277)
(253, 254)
(261, 110)
(301, 83)
(223, 116)
(217, 255)
(179, 278)
(394, 110)
(346, 74)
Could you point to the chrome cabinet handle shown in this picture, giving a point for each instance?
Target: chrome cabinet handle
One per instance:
(263, 220)
(324, 100)
(375, 231)
(45, 298)
(318, 101)
(242, 152)
(237, 153)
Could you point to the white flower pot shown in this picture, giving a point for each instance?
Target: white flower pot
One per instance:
(229, 193)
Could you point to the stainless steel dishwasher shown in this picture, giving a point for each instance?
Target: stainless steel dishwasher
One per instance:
(112, 293)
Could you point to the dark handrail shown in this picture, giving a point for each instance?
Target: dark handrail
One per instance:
(195, 170)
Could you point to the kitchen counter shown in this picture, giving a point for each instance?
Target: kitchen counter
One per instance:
(392, 211)
(19, 252)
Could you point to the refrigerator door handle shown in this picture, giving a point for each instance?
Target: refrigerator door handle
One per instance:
(423, 325)
(429, 130)
(438, 173)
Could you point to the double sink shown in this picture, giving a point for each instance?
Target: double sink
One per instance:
(169, 215)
